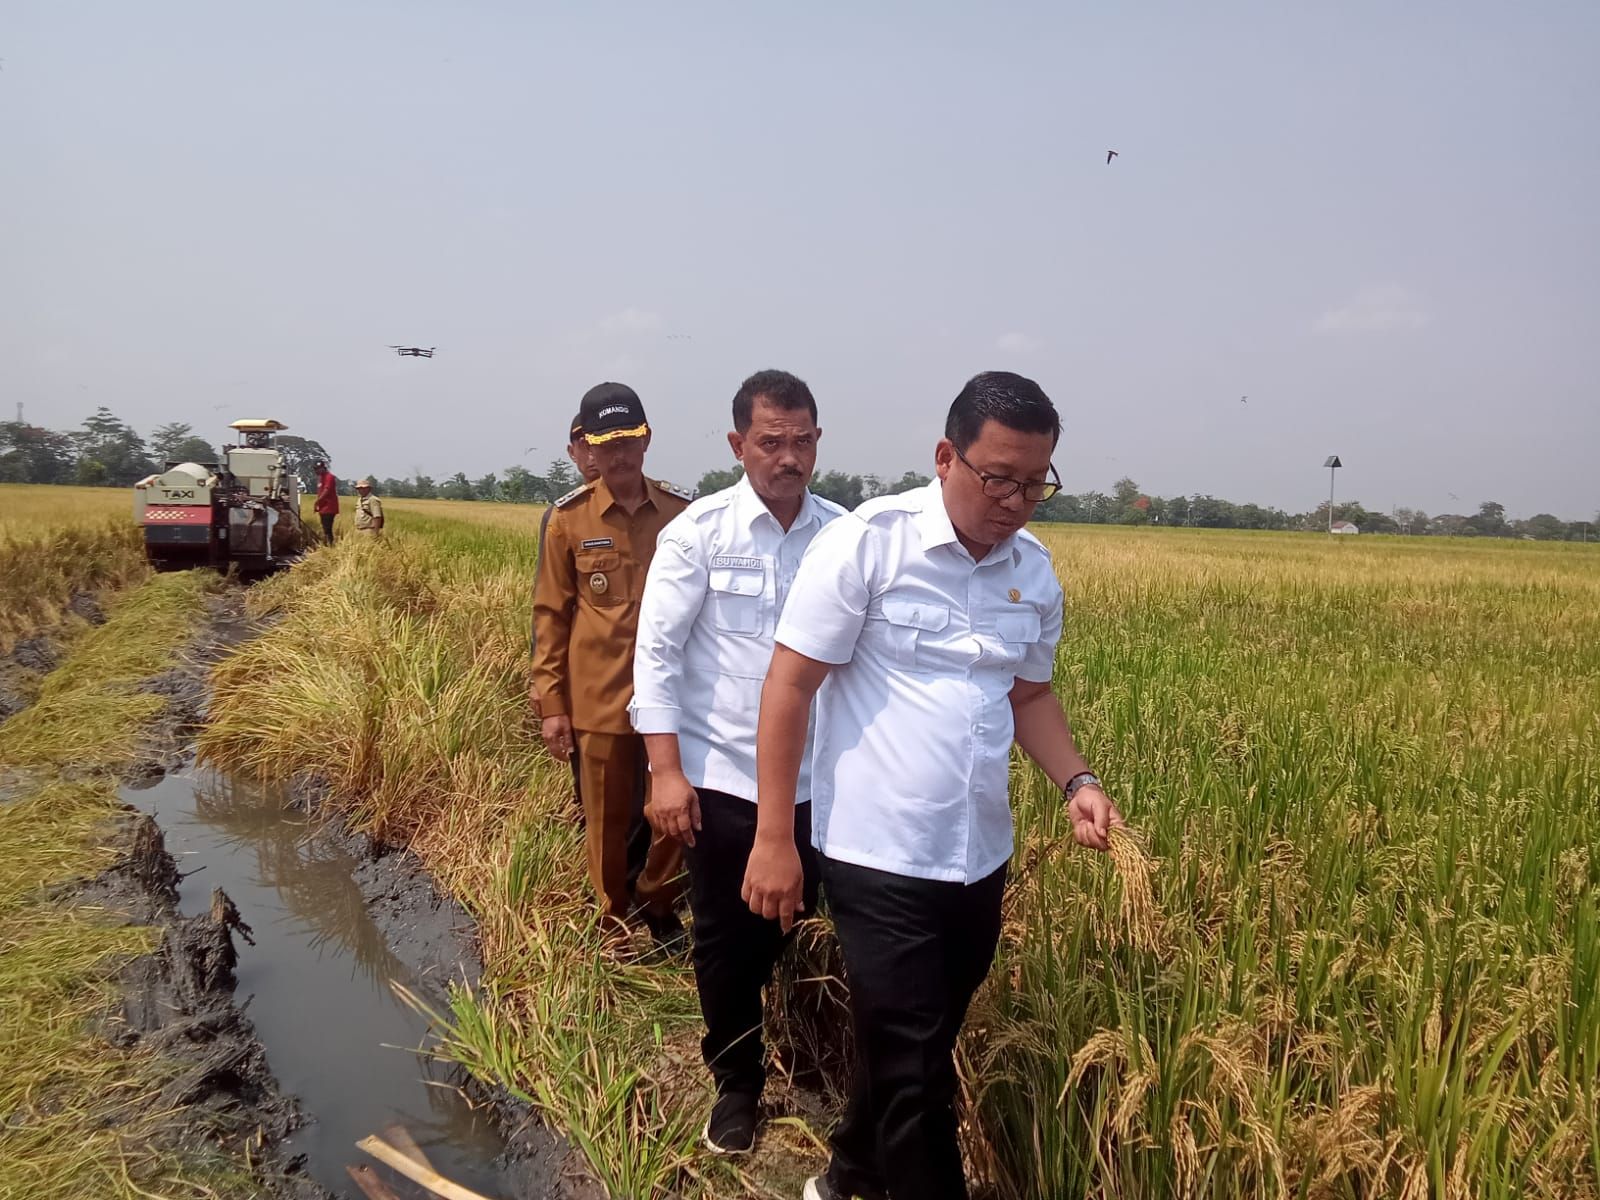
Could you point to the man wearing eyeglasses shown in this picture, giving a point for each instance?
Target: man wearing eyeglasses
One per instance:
(925, 625)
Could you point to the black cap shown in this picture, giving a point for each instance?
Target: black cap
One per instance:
(609, 411)
(575, 430)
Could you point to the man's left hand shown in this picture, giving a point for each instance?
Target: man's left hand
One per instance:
(1093, 816)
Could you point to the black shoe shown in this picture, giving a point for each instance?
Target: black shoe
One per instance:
(667, 932)
(732, 1126)
(818, 1188)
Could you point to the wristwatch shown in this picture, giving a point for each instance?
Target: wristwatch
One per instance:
(1081, 779)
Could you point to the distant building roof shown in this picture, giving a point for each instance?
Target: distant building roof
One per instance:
(1345, 527)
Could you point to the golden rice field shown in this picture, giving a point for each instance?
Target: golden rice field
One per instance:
(515, 517)
(1352, 948)
(57, 542)
(30, 510)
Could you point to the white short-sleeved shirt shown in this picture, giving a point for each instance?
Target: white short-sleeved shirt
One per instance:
(717, 584)
(913, 726)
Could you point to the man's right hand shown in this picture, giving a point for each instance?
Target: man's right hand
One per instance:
(557, 734)
(674, 809)
(774, 882)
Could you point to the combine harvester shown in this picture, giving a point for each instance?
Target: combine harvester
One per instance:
(242, 512)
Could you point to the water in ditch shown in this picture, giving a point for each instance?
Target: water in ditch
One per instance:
(318, 983)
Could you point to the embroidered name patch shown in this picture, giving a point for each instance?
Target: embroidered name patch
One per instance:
(597, 544)
(737, 560)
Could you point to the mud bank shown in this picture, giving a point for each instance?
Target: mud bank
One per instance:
(432, 942)
(178, 1002)
(370, 910)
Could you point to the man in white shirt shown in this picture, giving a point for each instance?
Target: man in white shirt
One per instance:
(716, 588)
(929, 622)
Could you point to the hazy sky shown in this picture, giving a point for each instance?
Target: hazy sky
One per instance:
(1377, 221)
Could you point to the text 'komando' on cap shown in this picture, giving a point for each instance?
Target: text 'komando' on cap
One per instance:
(610, 411)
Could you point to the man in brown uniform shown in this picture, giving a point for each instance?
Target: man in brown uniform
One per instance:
(583, 459)
(597, 548)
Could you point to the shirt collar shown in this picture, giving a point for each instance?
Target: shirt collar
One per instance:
(750, 508)
(607, 500)
(933, 522)
(935, 529)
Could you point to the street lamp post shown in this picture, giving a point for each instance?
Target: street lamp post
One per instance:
(1333, 464)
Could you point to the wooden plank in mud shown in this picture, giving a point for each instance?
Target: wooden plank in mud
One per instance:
(367, 1180)
(400, 1138)
(415, 1171)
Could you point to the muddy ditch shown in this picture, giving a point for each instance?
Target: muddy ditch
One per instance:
(271, 992)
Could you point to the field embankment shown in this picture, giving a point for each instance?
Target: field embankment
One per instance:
(1353, 950)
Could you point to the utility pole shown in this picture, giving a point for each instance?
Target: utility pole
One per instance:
(1333, 464)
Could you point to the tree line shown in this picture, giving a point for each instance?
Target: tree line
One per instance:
(107, 452)
(104, 452)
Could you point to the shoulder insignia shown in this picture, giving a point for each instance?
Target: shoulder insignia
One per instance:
(673, 489)
(563, 501)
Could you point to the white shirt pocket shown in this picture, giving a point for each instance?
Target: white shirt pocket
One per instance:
(736, 595)
(1018, 627)
(909, 626)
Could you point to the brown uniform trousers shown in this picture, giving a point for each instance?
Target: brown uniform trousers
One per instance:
(586, 596)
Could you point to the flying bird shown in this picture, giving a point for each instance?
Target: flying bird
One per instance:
(413, 351)
(1244, 399)
(1110, 154)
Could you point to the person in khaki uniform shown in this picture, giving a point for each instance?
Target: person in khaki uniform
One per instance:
(369, 509)
(597, 547)
(583, 459)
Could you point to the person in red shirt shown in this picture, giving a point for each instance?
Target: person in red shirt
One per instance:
(327, 505)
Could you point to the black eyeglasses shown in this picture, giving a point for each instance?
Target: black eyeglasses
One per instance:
(999, 487)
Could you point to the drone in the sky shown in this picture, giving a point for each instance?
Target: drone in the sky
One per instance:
(413, 351)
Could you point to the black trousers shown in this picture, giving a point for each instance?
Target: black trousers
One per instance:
(735, 950)
(915, 951)
(327, 527)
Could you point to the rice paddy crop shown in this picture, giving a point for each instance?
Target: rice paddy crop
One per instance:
(1349, 948)
(57, 542)
(517, 518)
(29, 510)
(1363, 776)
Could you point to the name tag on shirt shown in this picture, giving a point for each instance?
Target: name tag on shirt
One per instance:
(597, 544)
(738, 560)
